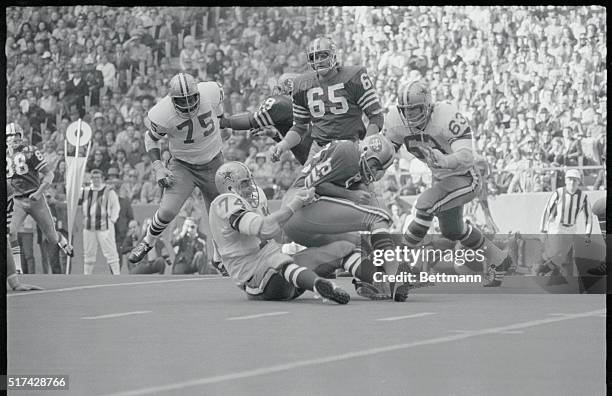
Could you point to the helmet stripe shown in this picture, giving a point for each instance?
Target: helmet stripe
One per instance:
(181, 83)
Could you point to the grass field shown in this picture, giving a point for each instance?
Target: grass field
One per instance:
(173, 335)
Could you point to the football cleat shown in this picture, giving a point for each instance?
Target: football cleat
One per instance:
(496, 274)
(599, 271)
(138, 253)
(369, 291)
(328, 291)
(218, 265)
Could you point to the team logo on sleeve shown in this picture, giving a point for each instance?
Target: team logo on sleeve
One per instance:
(376, 144)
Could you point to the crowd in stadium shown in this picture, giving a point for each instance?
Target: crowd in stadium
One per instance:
(532, 81)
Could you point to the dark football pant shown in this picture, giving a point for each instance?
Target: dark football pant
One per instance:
(333, 219)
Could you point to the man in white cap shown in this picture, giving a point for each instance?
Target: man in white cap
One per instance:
(559, 219)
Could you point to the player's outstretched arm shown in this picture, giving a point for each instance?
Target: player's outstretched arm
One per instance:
(291, 139)
(268, 227)
(462, 155)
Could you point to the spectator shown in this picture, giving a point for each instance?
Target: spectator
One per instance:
(191, 250)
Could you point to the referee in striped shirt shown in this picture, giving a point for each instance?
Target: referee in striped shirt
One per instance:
(559, 218)
(100, 213)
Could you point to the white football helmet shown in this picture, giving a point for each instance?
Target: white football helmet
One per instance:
(415, 104)
(185, 95)
(236, 177)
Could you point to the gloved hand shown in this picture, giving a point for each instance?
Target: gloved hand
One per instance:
(300, 198)
(164, 177)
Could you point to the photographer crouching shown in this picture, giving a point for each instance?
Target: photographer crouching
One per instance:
(190, 251)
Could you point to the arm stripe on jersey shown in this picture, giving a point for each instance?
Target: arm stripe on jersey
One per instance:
(370, 103)
(298, 108)
(153, 136)
(267, 120)
(366, 94)
(40, 165)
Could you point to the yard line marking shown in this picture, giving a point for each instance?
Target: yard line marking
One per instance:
(31, 293)
(346, 356)
(116, 315)
(500, 332)
(258, 315)
(417, 315)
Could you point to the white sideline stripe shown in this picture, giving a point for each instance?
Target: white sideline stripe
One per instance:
(417, 315)
(258, 315)
(116, 315)
(346, 356)
(501, 332)
(212, 277)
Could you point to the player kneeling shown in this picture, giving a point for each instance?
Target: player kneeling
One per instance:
(243, 231)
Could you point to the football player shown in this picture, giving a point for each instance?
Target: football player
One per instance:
(440, 136)
(24, 166)
(243, 231)
(11, 274)
(274, 118)
(333, 99)
(340, 173)
(188, 116)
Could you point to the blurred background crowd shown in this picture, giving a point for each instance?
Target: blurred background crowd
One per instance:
(532, 80)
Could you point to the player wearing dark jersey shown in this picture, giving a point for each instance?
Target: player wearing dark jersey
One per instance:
(340, 173)
(24, 163)
(274, 118)
(332, 99)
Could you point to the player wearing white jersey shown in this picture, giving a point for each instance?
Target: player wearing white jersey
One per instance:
(439, 135)
(243, 231)
(188, 117)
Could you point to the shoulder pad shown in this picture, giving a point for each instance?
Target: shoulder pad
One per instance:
(305, 81)
(162, 112)
(210, 92)
(443, 112)
(351, 71)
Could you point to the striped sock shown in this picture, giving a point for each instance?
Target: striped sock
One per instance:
(300, 277)
(16, 251)
(155, 229)
(417, 229)
(352, 263)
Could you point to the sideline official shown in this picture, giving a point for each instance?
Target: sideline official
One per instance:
(559, 221)
(100, 213)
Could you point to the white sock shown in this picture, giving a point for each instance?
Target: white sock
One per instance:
(16, 250)
(114, 267)
(88, 269)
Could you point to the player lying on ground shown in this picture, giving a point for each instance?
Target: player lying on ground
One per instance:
(24, 165)
(274, 118)
(340, 174)
(243, 230)
(11, 275)
(187, 117)
(439, 135)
